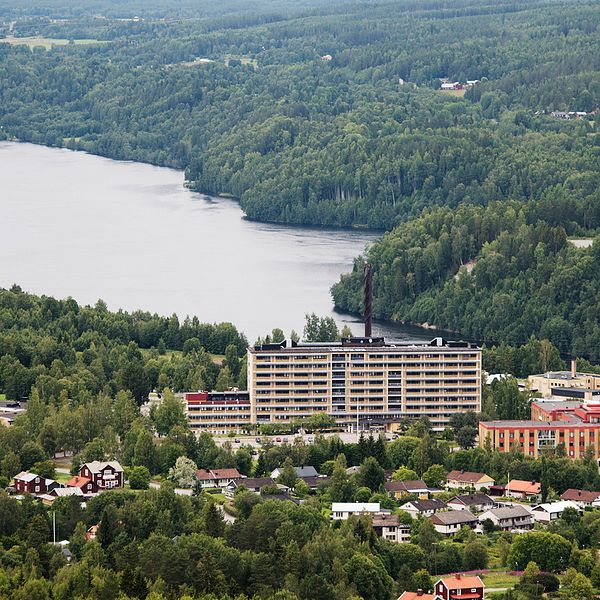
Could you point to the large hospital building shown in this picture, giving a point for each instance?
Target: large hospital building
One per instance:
(364, 380)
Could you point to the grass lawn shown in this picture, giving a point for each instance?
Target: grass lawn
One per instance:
(499, 579)
(455, 93)
(2, 397)
(46, 43)
(62, 477)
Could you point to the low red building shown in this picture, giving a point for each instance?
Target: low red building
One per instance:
(459, 587)
(31, 483)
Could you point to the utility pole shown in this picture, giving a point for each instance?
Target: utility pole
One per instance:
(54, 527)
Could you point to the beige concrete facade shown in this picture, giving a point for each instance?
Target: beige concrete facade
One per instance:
(376, 382)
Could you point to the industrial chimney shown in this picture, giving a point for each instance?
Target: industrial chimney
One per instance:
(368, 300)
(574, 368)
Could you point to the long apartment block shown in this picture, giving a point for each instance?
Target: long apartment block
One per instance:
(364, 380)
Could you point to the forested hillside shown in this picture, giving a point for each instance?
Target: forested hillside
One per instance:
(322, 113)
(500, 273)
(73, 351)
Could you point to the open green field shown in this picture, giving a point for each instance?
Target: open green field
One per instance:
(46, 43)
(455, 93)
(62, 477)
(2, 397)
(499, 579)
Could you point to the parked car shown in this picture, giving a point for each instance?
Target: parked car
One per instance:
(258, 441)
(237, 441)
(278, 439)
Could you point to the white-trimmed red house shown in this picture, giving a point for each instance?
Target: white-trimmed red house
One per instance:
(459, 587)
(32, 483)
(101, 476)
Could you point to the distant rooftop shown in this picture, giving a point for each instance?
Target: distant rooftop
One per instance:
(372, 342)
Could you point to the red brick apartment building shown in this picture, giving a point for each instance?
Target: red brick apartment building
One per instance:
(573, 424)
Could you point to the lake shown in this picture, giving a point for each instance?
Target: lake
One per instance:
(74, 224)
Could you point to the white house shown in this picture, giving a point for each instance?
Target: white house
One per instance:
(425, 508)
(509, 517)
(344, 510)
(388, 527)
(451, 522)
(550, 511)
(474, 502)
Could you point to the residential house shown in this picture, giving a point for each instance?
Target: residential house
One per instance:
(102, 475)
(32, 483)
(459, 586)
(425, 508)
(84, 484)
(524, 490)
(582, 498)
(314, 483)
(217, 478)
(452, 85)
(389, 527)
(344, 510)
(418, 595)
(451, 522)
(252, 484)
(477, 502)
(92, 532)
(550, 511)
(400, 489)
(468, 479)
(301, 472)
(509, 517)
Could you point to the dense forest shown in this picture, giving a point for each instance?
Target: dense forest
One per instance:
(505, 272)
(364, 139)
(72, 351)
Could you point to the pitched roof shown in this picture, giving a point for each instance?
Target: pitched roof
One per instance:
(254, 482)
(25, 476)
(355, 507)
(424, 505)
(409, 486)
(416, 596)
(66, 491)
(301, 472)
(523, 487)
(453, 517)
(466, 476)
(96, 466)
(210, 474)
(580, 495)
(385, 520)
(556, 507)
(77, 481)
(471, 499)
(226, 473)
(460, 582)
(509, 512)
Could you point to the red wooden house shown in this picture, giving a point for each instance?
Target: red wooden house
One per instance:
(98, 476)
(31, 483)
(459, 587)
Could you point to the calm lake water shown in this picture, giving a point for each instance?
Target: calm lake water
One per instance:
(78, 225)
